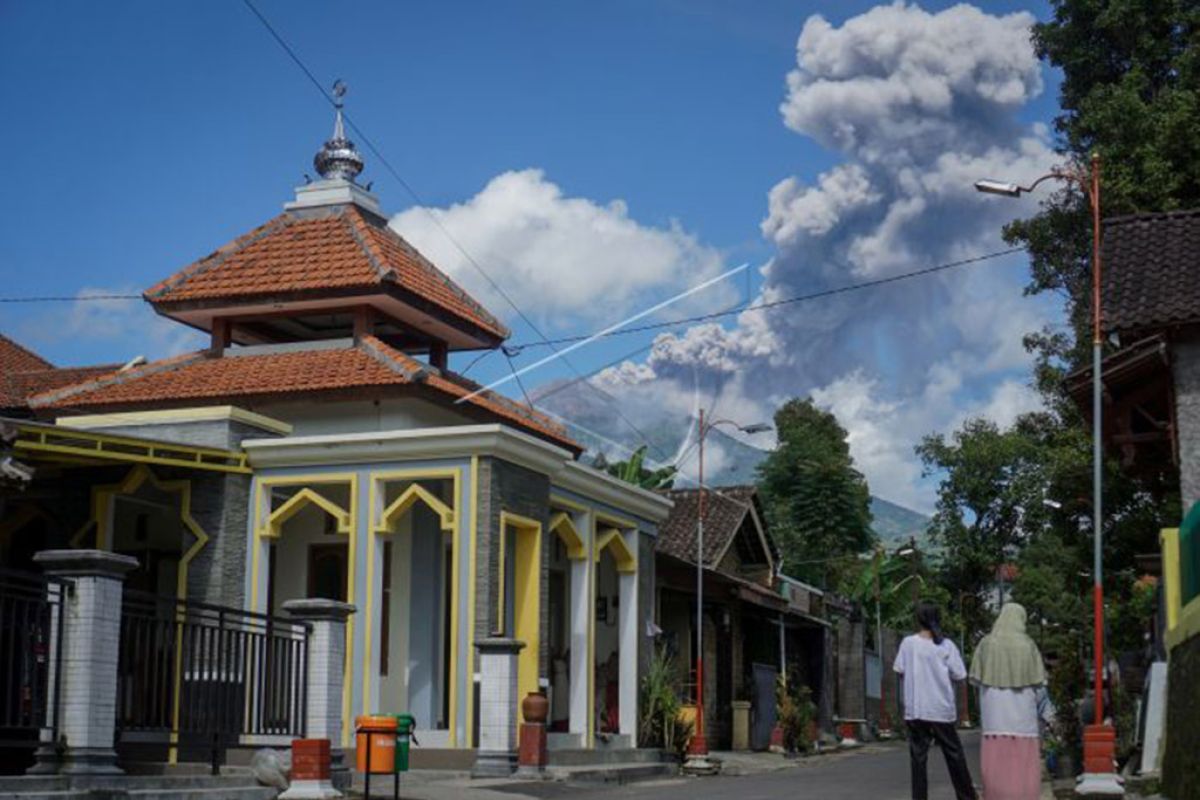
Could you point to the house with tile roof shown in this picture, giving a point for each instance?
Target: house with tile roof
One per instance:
(758, 623)
(320, 446)
(1151, 312)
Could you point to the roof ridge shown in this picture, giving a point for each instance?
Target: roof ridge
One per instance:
(440, 275)
(218, 256)
(353, 219)
(380, 351)
(113, 378)
(17, 345)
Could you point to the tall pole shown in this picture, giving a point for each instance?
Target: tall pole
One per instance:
(1097, 449)
(699, 743)
(884, 722)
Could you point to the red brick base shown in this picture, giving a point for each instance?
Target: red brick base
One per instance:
(1099, 748)
(310, 759)
(532, 751)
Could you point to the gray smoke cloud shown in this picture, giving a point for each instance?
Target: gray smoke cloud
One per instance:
(919, 105)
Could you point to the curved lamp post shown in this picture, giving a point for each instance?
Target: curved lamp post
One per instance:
(1098, 739)
(698, 749)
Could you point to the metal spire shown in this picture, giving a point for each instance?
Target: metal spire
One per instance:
(338, 159)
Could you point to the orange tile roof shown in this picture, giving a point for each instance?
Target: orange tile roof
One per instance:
(15, 358)
(201, 378)
(24, 373)
(346, 250)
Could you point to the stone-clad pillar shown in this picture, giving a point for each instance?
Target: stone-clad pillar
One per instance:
(326, 675)
(497, 755)
(852, 680)
(87, 712)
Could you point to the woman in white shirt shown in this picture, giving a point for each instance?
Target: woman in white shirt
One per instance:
(1008, 668)
(929, 663)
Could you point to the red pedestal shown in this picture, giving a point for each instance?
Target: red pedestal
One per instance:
(532, 750)
(698, 746)
(848, 730)
(1099, 748)
(310, 759)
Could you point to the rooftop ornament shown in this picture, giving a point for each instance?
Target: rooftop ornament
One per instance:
(338, 159)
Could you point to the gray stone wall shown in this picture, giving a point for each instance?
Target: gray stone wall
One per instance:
(1185, 358)
(220, 505)
(852, 682)
(504, 486)
(646, 597)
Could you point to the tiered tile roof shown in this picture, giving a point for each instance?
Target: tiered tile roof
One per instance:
(347, 251)
(24, 373)
(371, 364)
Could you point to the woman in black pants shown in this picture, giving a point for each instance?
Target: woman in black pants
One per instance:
(929, 663)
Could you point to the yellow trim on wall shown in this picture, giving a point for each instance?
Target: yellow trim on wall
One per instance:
(1172, 575)
(527, 598)
(472, 538)
(612, 539)
(572, 505)
(296, 503)
(562, 525)
(262, 532)
(1187, 628)
(614, 521)
(384, 524)
(63, 443)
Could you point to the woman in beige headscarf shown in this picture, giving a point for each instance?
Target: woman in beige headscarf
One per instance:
(1008, 669)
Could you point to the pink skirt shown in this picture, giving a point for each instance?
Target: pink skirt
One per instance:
(1012, 768)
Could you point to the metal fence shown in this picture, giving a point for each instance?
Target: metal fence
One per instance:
(31, 625)
(196, 675)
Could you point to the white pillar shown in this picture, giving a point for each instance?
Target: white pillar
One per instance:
(326, 675)
(497, 755)
(628, 677)
(581, 618)
(87, 712)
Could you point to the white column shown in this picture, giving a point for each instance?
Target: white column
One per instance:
(326, 674)
(628, 631)
(497, 755)
(581, 617)
(87, 712)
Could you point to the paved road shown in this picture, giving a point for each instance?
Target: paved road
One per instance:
(877, 772)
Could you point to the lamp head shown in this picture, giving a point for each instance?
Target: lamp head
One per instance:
(757, 427)
(989, 186)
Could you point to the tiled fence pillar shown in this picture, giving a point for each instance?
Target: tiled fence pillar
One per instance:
(326, 675)
(497, 754)
(87, 712)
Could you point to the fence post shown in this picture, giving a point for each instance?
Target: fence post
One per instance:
(497, 755)
(326, 676)
(87, 712)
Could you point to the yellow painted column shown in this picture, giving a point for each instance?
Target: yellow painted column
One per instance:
(1172, 576)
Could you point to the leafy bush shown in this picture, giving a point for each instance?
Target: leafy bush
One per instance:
(796, 713)
(659, 724)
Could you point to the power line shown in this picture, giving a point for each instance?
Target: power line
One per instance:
(516, 348)
(69, 299)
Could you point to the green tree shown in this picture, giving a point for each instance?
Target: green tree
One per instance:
(1131, 92)
(635, 471)
(816, 502)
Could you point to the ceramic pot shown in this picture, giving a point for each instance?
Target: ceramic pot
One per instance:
(535, 708)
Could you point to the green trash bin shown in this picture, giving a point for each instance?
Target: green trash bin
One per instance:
(406, 724)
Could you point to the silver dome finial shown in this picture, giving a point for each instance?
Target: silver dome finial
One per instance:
(338, 158)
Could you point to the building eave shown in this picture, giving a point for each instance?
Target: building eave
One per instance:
(602, 487)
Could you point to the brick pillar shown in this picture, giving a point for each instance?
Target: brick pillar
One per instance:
(87, 712)
(891, 686)
(326, 676)
(497, 755)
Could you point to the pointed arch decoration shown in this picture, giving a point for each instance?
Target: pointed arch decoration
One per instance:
(611, 539)
(273, 526)
(415, 493)
(564, 527)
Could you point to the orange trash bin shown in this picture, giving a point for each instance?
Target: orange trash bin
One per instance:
(382, 746)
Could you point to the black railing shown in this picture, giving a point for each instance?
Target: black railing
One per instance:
(31, 607)
(206, 678)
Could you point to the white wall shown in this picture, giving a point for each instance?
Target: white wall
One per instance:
(362, 416)
(291, 554)
(393, 688)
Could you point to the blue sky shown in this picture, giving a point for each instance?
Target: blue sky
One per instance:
(142, 135)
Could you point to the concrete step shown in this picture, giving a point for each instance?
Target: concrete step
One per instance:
(243, 792)
(612, 773)
(601, 756)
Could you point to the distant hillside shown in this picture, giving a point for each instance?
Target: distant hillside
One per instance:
(593, 410)
(895, 524)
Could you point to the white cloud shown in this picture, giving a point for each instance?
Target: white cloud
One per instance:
(564, 260)
(122, 328)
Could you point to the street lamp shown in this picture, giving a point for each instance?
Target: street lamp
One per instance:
(1098, 739)
(698, 749)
